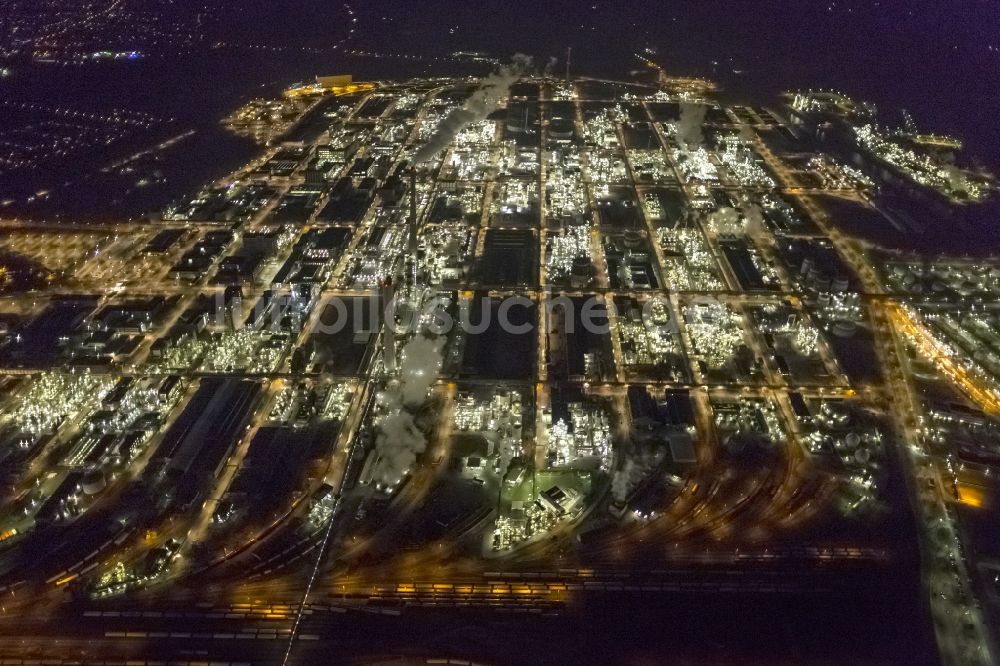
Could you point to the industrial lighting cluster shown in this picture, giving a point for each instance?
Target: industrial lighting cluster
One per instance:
(750, 415)
(447, 248)
(696, 166)
(606, 168)
(806, 339)
(471, 157)
(322, 510)
(650, 165)
(52, 397)
(247, 349)
(516, 196)
(284, 404)
(694, 269)
(970, 339)
(857, 446)
(529, 521)
(784, 320)
(923, 168)
(182, 356)
(477, 135)
(653, 206)
(369, 265)
(602, 129)
(768, 273)
(587, 435)
(517, 160)
(845, 306)
(265, 119)
(471, 163)
(647, 340)
(563, 249)
(142, 398)
(498, 419)
(744, 167)
(839, 176)
(964, 279)
(716, 332)
(564, 90)
(565, 194)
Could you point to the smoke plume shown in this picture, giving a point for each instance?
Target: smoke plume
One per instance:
(690, 124)
(956, 178)
(624, 480)
(421, 362)
(754, 218)
(725, 221)
(399, 441)
(486, 98)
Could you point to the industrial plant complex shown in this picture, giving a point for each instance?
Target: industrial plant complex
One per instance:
(524, 346)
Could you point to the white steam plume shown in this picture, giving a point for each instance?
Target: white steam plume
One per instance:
(957, 180)
(421, 361)
(623, 481)
(486, 98)
(725, 221)
(399, 441)
(689, 126)
(754, 218)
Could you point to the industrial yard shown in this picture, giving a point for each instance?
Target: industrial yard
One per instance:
(498, 343)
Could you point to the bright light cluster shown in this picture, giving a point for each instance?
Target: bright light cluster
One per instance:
(370, 265)
(247, 349)
(652, 205)
(839, 176)
(651, 165)
(517, 196)
(694, 269)
(587, 435)
(745, 169)
(647, 341)
(51, 397)
(140, 399)
(512, 530)
(750, 415)
(498, 419)
(446, 249)
(518, 160)
(607, 168)
(696, 166)
(922, 168)
(716, 332)
(805, 339)
(476, 135)
(563, 249)
(337, 402)
(602, 129)
(565, 193)
(468, 164)
(768, 273)
(971, 341)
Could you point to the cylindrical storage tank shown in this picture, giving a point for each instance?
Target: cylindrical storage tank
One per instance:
(93, 482)
(844, 328)
(632, 239)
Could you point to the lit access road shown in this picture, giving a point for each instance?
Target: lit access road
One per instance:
(957, 643)
(264, 591)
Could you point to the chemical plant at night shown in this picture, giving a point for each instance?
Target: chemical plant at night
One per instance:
(511, 350)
